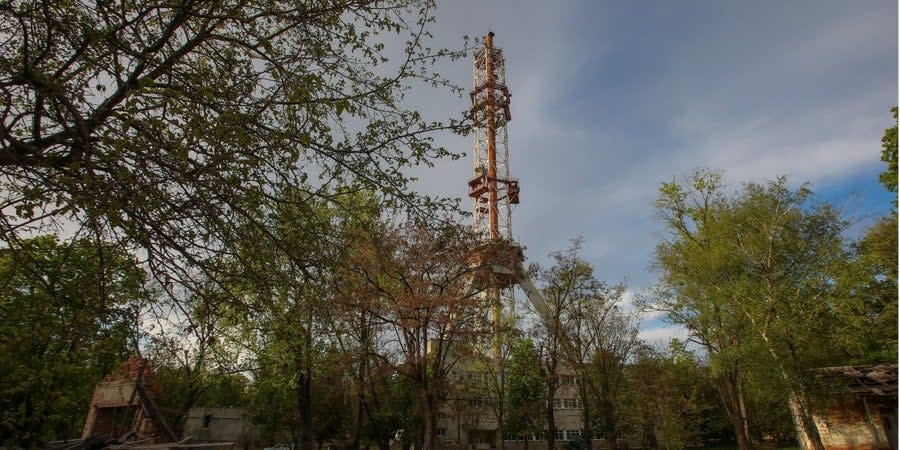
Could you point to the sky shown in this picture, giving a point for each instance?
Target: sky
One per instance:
(609, 99)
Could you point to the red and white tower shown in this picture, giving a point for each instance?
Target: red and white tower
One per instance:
(491, 188)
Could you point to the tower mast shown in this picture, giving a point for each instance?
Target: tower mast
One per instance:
(492, 190)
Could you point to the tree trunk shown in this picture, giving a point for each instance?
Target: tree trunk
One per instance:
(551, 420)
(429, 410)
(588, 432)
(356, 429)
(733, 399)
(304, 409)
(807, 433)
(500, 443)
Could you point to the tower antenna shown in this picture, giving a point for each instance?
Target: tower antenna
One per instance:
(492, 190)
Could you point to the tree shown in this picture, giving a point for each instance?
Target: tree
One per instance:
(184, 345)
(560, 286)
(67, 317)
(690, 265)
(591, 337)
(868, 284)
(419, 283)
(679, 404)
(286, 307)
(869, 280)
(524, 385)
(390, 405)
(889, 155)
(604, 383)
(776, 256)
(159, 124)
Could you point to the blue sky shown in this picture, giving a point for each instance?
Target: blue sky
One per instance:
(611, 98)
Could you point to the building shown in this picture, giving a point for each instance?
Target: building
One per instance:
(468, 418)
(220, 425)
(865, 418)
(124, 404)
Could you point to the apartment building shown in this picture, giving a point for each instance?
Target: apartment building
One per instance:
(469, 418)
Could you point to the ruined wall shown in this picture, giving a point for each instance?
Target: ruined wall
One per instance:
(850, 426)
(220, 424)
(115, 406)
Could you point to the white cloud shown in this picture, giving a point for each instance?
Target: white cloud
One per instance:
(660, 336)
(601, 114)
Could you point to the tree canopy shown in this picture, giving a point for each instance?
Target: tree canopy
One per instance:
(163, 124)
(889, 155)
(67, 316)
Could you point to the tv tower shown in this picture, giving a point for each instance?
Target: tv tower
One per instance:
(492, 190)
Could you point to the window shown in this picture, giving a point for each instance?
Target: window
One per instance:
(560, 435)
(441, 431)
(566, 403)
(206, 420)
(571, 434)
(478, 377)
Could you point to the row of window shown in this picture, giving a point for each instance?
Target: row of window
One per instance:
(567, 403)
(479, 378)
(561, 435)
(558, 403)
(485, 378)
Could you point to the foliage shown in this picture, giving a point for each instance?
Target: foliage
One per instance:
(163, 125)
(418, 283)
(284, 319)
(889, 155)
(592, 336)
(182, 388)
(757, 268)
(390, 406)
(868, 283)
(680, 405)
(524, 385)
(67, 317)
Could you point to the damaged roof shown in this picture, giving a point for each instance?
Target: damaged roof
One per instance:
(873, 379)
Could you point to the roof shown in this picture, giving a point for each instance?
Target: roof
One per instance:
(873, 379)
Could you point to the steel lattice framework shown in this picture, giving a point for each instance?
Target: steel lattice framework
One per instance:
(492, 190)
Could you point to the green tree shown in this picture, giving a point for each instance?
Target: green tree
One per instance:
(869, 281)
(592, 337)
(67, 317)
(285, 307)
(868, 284)
(690, 264)
(679, 404)
(158, 124)
(524, 387)
(889, 155)
(390, 405)
(775, 255)
(561, 283)
(184, 344)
